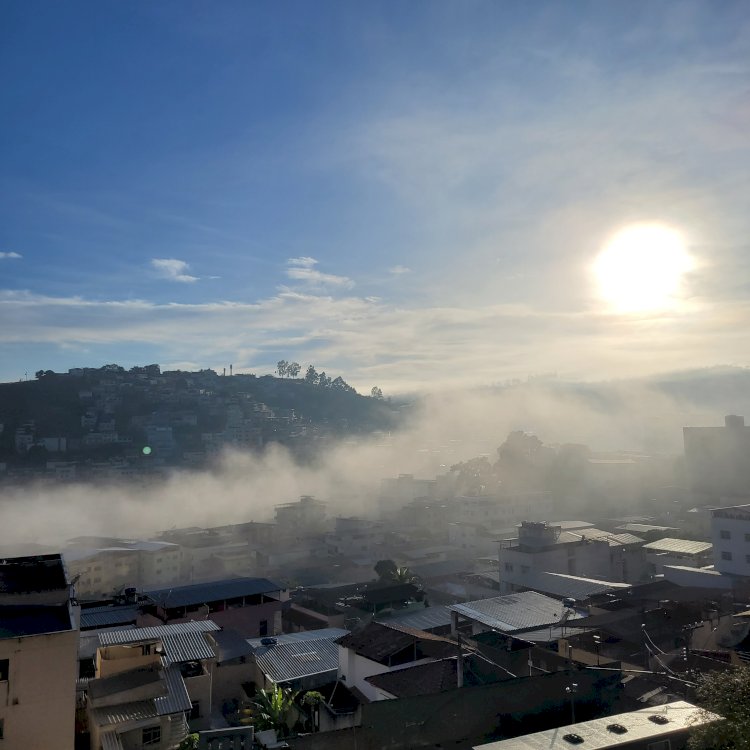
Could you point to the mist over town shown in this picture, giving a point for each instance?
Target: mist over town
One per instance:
(374, 376)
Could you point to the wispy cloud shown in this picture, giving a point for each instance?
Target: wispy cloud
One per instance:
(373, 341)
(303, 269)
(173, 269)
(399, 270)
(6, 256)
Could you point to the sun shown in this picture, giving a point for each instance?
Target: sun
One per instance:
(641, 268)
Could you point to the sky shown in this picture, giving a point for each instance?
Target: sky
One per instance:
(410, 195)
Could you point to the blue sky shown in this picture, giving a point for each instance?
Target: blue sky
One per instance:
(406, 194)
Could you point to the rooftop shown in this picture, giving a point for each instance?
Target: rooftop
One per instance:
(22, 575)
(20, 620)
(608, 731)
(293, 660)
(425, 679)
(679, 546)
(379, 642)
(426, 618)
(202, 593)
(514, 612)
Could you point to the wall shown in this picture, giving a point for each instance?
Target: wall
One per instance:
(462, 717)
(738, 544)
(39, 712)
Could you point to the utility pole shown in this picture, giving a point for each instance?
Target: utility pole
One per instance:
(571, 691)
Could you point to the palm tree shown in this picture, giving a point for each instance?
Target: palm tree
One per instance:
(271, 709)
(404, 575)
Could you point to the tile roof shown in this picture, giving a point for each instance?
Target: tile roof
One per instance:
(432, 677)
(200, 593)
(680, 546)
(378, 641)
(514, 612)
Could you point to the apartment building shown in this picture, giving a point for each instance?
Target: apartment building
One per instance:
(730, 534)
(38, 654)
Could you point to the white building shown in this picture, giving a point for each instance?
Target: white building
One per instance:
(730, 533)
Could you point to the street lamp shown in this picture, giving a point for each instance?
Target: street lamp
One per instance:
(597, 644)
(571, 691)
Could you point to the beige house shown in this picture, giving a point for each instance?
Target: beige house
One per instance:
(38, 654)
(153, 686)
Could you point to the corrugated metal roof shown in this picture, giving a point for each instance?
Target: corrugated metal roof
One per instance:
(200, 593)
(102, 617)
(514, 612)
(124, 712)
(230, 645)
(291, 661)
(156, 632)
(427, 618)
(558, 584)
(680, 546)
(177, 699)
(111, 741)
(183, 647)
(306, 635)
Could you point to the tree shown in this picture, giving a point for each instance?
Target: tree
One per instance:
(376, 392)
(727, 694)
(272, 709)
(312, 700)
(292, 369)
(323, 380)
(282, 367)
(385, 569)
(339, 384)
(311, 376)
(404, 575)
(189, 743)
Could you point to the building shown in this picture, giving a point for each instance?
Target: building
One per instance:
(377, 648)
(38, 654)
(152, 686)
(300, 661)
(677, 552)
(250, 606)
(588, 552)
(718, 459)
(664, 728)
(730, 534)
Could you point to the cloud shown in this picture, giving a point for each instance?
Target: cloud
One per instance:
(173, 269)
(303, 269)
(374, 341)
(6, 256)
(399, 270)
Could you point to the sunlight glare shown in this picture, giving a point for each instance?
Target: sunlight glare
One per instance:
(641, 268)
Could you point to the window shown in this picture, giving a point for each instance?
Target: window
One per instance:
(4, 669)
(2, 729)
(509, 567)
(195, 710)
(724, 534)
(726, 555)
(151, 736)
(263, 628)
